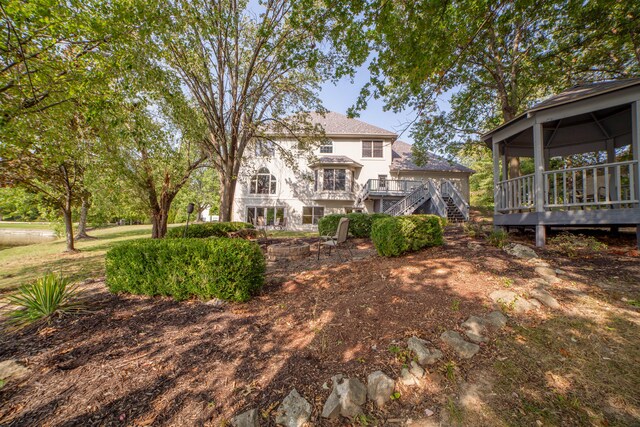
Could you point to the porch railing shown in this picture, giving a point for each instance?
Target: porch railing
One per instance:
(604, 185)
(515, 194)
(609, 185)
(401, 186)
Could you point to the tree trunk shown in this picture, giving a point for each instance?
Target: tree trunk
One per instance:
(514, 167)
(82, 225)
(68, 227)
(226, 201)
(160, 216)
(159, 224)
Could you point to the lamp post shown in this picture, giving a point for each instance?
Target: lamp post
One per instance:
(189, 212)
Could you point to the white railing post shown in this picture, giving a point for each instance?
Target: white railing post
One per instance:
(538, 157)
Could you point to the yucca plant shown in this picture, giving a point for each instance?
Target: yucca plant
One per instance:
(48, 296)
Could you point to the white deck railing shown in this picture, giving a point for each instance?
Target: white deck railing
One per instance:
(596, 186)
(515, 194)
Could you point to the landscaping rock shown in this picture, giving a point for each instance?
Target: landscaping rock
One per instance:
(496, 320)
(379, 388)
(11, 369)
(545, 271)
(407, 377)
(509, 300)
(250, 418)
(294, 411)
(464, 349)
(425, 355)
(475, 327)
(416, 370)
(545, 298)
(520, 251)
(346, 399)
(551, 280)
(474, 246)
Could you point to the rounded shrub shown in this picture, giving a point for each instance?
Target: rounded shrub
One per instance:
(359, 223)
(229, 269)
(208, 229)
(393, 236)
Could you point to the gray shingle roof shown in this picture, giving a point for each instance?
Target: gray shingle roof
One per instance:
(573, 94)
(335, 124)
(403, 161)
(585, 90)
(336, 160)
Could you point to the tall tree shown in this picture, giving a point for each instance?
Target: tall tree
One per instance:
(493, 58)
(247, 73)
(47, 159)
(145, 144)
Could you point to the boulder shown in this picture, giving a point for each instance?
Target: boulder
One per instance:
(346, 399)
(294, 411)
(407, 378)
(475, 327)
(416, 370)
(249, 418)
(545, 271)
(520, 251)
(545, 298)
(379, 388)
(425, 355)
(510, 301)
(496, 320)
(463, 348)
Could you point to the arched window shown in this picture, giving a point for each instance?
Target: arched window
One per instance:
(263, 182)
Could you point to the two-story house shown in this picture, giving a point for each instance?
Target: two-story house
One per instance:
(360, 168)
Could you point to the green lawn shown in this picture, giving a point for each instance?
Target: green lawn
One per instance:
(27, 225)
(22, 264)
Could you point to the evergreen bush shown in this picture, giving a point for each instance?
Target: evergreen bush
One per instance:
(229, 269)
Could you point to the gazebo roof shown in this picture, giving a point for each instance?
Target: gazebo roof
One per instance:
(578, 120)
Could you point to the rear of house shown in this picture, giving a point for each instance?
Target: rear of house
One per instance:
(359, 168)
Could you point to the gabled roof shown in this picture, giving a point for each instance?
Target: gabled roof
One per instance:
(336, 124)
(568, 96)
(402, 160)
(582, 91)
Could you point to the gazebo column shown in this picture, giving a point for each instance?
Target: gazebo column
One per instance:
(496, 176)
(538, 159)
(635, 150)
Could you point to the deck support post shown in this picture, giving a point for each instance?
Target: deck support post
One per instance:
(635, 144)
(635, 150)
(538, 158)
(496, 178)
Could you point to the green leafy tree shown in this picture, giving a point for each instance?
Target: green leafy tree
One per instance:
(203, 190)
(247, 73)
(493, 58)
(145, 145)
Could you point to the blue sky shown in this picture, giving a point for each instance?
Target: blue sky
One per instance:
(344, 94)
(341, 96)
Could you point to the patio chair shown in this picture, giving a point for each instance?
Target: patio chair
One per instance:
(338, 240)
(281, 223)
(262, 229)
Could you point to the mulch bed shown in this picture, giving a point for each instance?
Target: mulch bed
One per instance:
(153, 361)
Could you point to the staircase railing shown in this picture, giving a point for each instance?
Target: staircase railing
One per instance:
(436, 198)
(448, 189)
(416, 197)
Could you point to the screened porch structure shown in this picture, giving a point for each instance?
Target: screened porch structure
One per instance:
(601, 122)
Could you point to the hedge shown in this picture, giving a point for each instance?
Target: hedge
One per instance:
(396, 235)
(208, 229)
(229, 269)
(359, 223)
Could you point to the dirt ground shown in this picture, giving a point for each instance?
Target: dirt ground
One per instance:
(152, 361)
